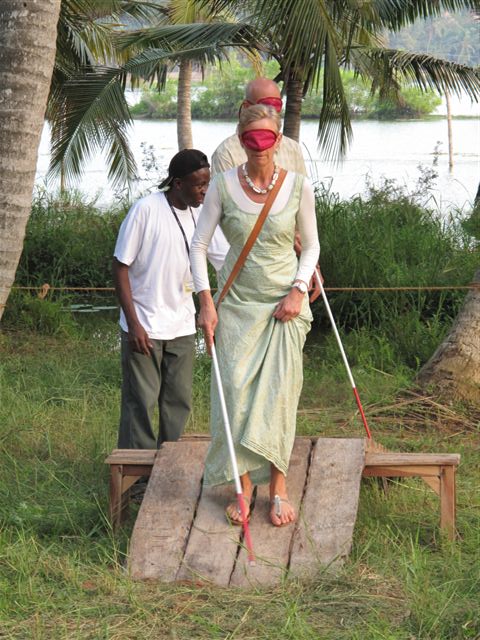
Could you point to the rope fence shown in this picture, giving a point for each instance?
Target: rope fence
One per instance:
(46, 288)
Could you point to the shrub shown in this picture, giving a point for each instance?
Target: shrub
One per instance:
(68, 241)
(46, 317)
(386, 239)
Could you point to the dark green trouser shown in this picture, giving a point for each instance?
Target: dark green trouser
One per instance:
(164, 378)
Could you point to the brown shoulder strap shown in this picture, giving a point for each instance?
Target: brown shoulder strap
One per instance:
(253, 235)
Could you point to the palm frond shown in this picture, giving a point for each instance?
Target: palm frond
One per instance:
(146, 64)
(334, 127)
(93, 116)
(396, 14)
(172, 37)
(421, 70)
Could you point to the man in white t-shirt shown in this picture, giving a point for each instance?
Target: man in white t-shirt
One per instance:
(153, 281)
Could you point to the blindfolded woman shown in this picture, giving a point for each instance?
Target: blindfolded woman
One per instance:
(262, 322)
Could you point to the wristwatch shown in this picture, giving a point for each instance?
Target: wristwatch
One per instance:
(300, 285)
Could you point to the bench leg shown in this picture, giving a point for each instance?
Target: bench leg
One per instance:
(115, 509)
(447, 500)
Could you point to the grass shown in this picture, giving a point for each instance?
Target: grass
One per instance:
(61, 569)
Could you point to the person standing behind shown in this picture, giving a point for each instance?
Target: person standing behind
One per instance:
(154, 287)
(230, 152)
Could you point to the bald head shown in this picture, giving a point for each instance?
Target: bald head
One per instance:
(261, 88)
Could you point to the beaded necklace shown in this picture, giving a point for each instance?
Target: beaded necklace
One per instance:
(253, 186)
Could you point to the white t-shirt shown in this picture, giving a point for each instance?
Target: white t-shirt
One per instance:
(150, 242)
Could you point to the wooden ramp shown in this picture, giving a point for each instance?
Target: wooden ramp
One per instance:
(181, 532)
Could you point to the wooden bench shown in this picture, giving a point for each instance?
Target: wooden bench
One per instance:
(126, 467)
(437, 470)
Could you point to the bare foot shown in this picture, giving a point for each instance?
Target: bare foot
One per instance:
(233, 513)
(281, 512)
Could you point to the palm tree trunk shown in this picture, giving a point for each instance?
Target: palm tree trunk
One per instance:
(184, 106)
(449, 129)
(454, 368)
(28, 32)
(293, 109)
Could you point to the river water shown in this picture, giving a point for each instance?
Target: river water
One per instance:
(380, 149)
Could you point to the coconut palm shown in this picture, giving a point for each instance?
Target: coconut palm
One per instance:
(86, 38)
(89, 110)
(454, 368)
(184, 12)
(27, 34)
(314, 39)
(311, 39)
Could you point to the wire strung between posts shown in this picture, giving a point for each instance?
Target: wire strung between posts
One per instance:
(233, 459)
(342, 351)
(463, 287)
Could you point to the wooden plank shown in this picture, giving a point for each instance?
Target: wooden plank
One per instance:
(393, 459)
(137, 470)
(132, 456)
(402, 471)
(329, 508)
(165, 517)
(115, 498)
(213, 543)
(272, 544)
(447, 501)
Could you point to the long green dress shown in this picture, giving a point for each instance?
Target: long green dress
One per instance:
(260, 358)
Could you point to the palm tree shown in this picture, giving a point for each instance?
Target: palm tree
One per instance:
(184, 12)
(314, 39)
(27, 55)
(454, 368)
(91, 111)
(86, 38)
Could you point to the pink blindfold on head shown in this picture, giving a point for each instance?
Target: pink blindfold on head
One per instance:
(276, 103)
(259, 139)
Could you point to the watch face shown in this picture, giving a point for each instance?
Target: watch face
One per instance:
(301, 286)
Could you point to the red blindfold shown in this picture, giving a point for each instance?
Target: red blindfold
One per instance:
(276, 103)
(259, 139)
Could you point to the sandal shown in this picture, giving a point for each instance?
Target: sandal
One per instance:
(277, 503)
(237, 510)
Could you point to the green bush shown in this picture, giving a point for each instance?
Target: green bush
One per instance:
(411, 102)
(220, 93)
(157, 104)
(45, 317)
(386, 239)
(68, 241)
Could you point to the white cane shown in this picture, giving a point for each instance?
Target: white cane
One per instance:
(231, 449)
(342, 351)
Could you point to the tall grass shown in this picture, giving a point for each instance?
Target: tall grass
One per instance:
(69, 241)
(387, 238)
(391, 238)
(61, 569)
